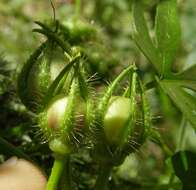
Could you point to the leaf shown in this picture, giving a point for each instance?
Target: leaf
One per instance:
(185, 101)
(186, 78)
(9, 149)
(140, 35)
(188, 74)
(168, 33)
(174, 186)
(185, 168)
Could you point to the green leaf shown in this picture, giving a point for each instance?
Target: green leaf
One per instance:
(174, 186)
(188, 74)
(140, 35)
(168, 33)
(185, 101)
(10, 150)
(185, 168)
(186, 78)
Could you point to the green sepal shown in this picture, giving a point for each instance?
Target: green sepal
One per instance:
(97, 126)
(128, 127)
(61, 136)
(103, 152)
(138, 125)
(68, 119)
(105, 100)
(86, 95)
(58, 147)
(24, 86)
(57, 85)
(51, 35)
(135, 129)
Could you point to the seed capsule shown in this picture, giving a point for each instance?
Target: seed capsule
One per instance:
(116, 116)
(120, 122)
(62, 123)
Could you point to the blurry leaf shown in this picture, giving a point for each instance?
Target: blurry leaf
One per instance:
(185, 101)
(167, 28)
(141, 35)
(186, 78)
(188, 74)
(185, 168)
(8, 149)
(166, 104)
(175, 186)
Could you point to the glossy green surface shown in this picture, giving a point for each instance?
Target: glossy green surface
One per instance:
(116, 117)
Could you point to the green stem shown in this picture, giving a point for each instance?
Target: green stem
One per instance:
(182, 134)
(57, 171)
(180, 143)
(157, 138)
(103, 177)
(77, 9)
(66, 178)
(171, 179)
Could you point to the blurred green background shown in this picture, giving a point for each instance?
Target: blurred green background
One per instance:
(110, 51)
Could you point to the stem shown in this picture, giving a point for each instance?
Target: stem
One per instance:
(66, 178)
(157, 138)
(57, 170)
(102, 180)
(171, 179)
(182, 134)
(180, 144)
(77, 9)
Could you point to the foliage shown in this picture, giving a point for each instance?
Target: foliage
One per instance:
(73, 52)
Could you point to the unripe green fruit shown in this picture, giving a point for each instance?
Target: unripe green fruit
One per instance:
(116, 116)
(56, 112)
(121, 123)
(59, 123)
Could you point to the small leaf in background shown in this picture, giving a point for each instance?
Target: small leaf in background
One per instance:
(185, 101)
(168, 33)
(184, 164)
(140, 35)
(187, 78)
(189, 74)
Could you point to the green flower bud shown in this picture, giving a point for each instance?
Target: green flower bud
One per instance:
(62, 123)
(121, 123)
(117, 114)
